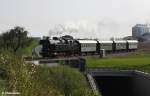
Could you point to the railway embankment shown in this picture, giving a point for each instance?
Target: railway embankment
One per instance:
(115, 80)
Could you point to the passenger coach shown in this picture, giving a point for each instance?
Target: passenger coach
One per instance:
(88, 46)
(106, 45)
(120, 45)
(132, 45)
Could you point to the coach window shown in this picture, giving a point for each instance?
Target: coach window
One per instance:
(82, 45)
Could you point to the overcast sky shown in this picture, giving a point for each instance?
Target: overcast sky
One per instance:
(103, 17)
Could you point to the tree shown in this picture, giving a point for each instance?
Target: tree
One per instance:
(14, 39)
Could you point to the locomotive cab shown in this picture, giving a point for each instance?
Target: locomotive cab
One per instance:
(47, 47)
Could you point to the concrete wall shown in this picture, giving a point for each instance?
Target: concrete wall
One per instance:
(130, 83)
(78, 63)
(141, 84)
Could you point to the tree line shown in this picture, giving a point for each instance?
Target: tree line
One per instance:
(14, 39)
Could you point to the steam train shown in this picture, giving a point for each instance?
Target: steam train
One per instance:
(67, 45)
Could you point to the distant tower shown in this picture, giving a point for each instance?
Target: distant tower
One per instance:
(139, 29)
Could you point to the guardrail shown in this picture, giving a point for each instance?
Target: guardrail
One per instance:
(92, 84)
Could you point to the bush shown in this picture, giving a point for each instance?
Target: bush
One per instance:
(32, 80)
(67, 81)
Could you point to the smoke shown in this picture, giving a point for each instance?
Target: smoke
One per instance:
(78, 29)
(108, 28)
(104, 29)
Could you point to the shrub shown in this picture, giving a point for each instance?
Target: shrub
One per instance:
(67, 81)
(33, 80)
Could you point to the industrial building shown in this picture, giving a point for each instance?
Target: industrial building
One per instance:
(139, 29)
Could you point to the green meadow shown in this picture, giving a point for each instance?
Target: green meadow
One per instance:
(132, 61)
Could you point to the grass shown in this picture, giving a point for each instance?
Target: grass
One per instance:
(133, 61)
(32, 80)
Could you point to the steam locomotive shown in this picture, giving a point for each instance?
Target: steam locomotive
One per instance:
(67, 45)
